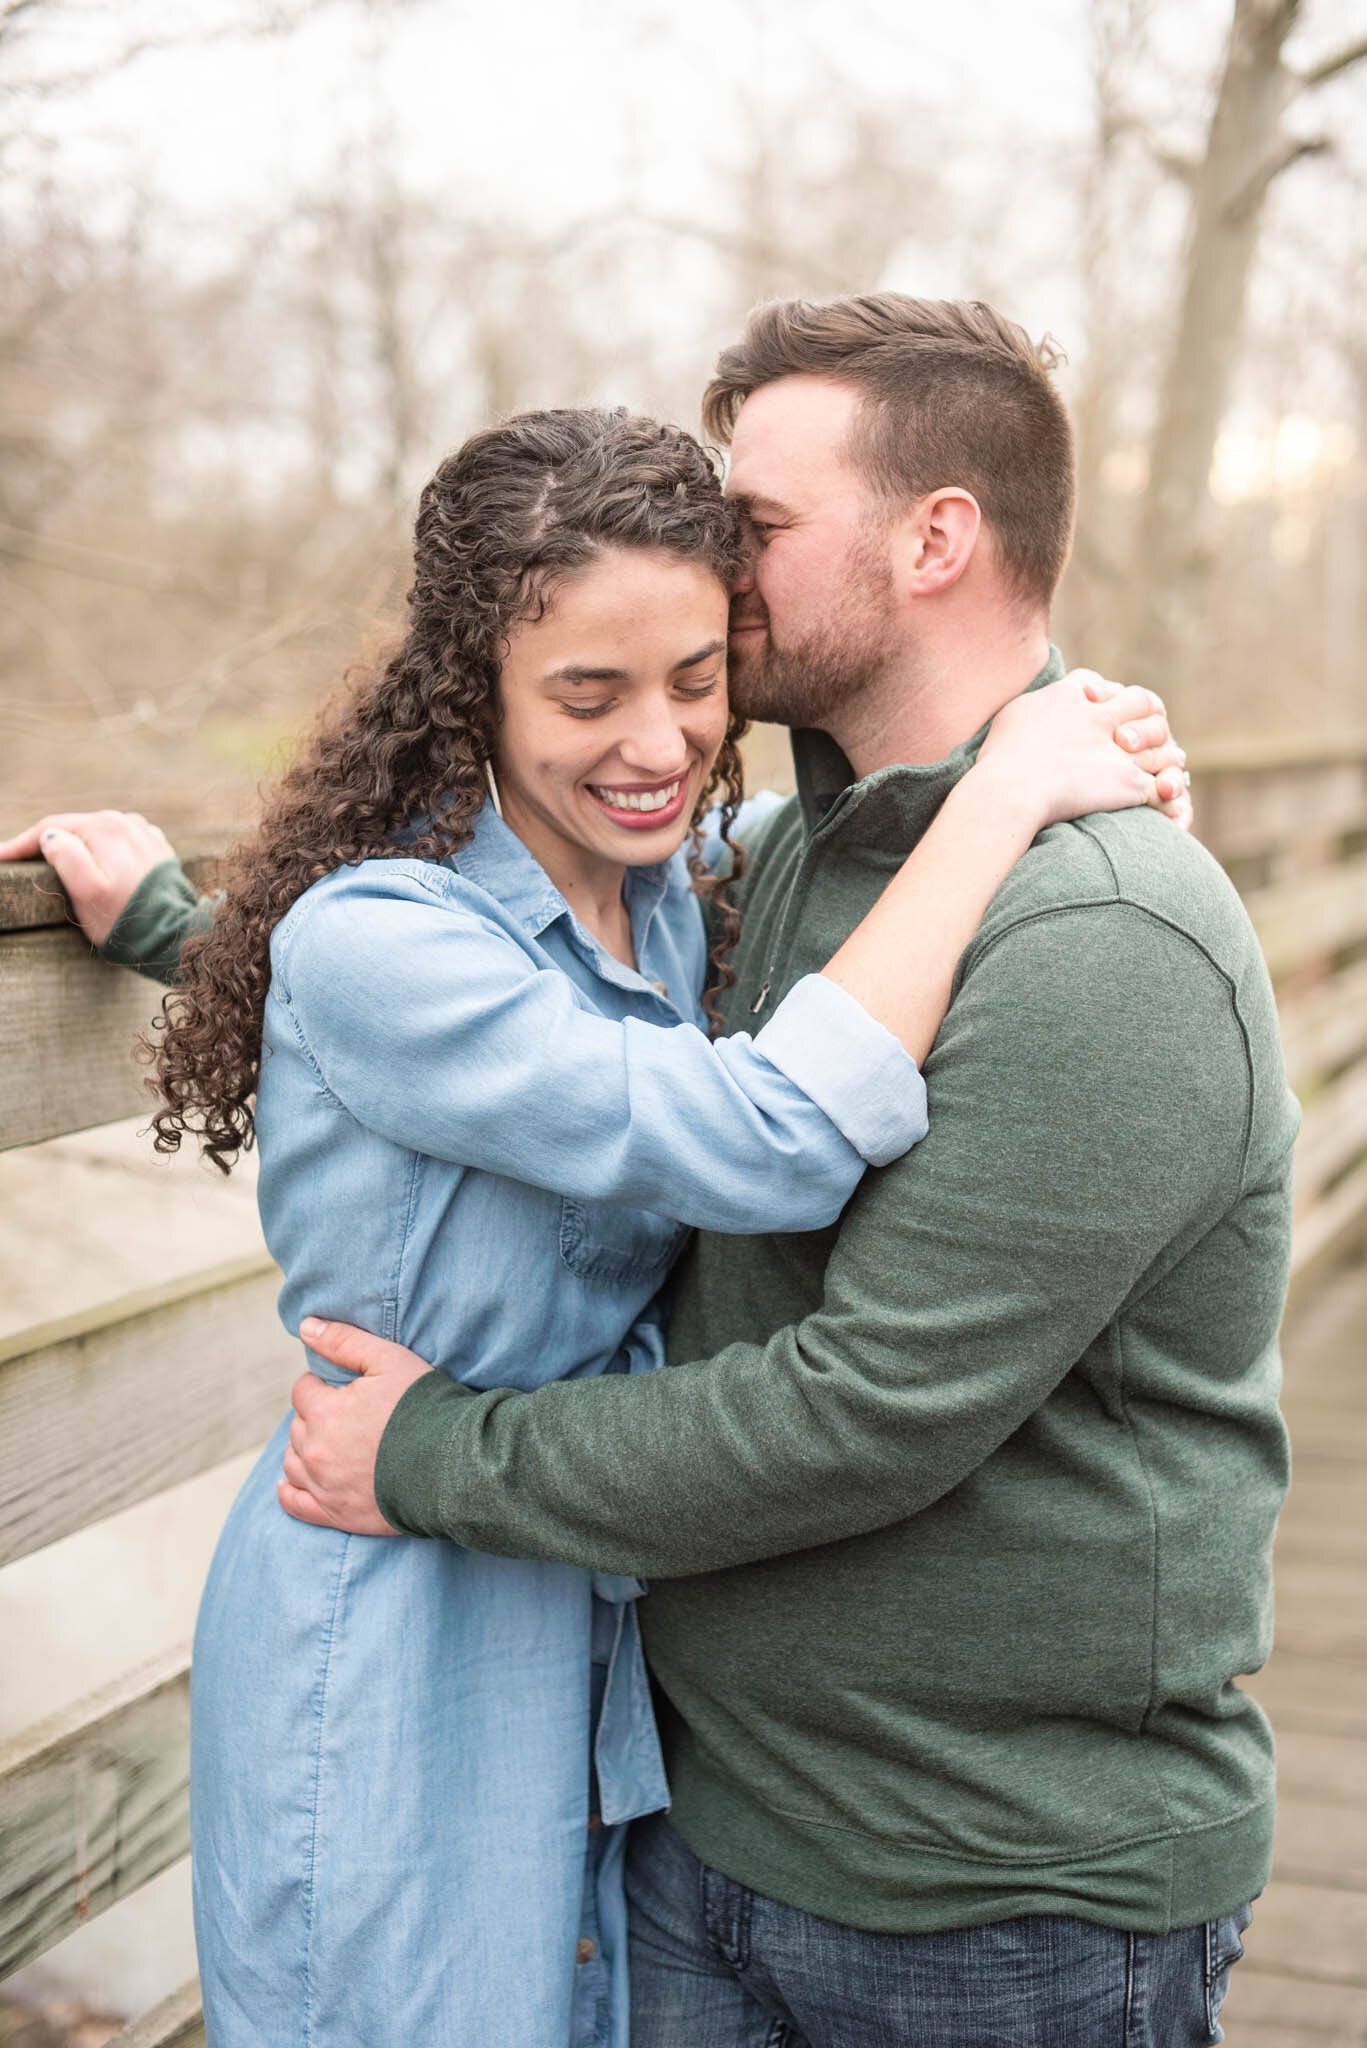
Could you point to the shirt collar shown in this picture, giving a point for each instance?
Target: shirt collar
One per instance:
(494, 858)
(901, 799)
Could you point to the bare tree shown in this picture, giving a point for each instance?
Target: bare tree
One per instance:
(1114, 180)
(1247, 147)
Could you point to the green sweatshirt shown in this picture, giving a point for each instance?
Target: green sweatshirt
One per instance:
(162, 913)
(958, 1515)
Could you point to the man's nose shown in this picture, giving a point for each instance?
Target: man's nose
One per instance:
(743, 577)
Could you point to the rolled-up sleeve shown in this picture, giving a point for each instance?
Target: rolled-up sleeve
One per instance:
(430, 1024)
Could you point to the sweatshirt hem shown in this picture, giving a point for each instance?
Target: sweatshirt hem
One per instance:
(1150, 1884)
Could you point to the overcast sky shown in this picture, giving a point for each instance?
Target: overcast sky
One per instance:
(547, 108)
(550, 111)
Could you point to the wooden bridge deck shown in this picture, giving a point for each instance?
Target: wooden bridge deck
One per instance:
(1303, 1983)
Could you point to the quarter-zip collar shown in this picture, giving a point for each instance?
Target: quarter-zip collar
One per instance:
(895, 804)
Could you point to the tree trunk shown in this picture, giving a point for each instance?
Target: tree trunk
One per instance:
(1119, 33)
(1245, 151)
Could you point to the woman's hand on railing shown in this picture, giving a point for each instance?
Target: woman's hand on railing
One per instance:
(99, 857)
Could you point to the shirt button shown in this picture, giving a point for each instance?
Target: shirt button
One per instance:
(584, 1951)
(661, 988)
(595, 1822)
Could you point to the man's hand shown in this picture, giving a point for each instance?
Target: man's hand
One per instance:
(99, 857)
(330, 1463)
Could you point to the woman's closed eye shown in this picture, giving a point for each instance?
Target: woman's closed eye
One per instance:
(587, 710)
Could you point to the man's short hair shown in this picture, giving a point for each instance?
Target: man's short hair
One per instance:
(952, 394)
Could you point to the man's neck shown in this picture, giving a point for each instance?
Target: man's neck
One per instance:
(939, 695)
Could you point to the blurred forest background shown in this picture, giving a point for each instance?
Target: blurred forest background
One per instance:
(263, 261)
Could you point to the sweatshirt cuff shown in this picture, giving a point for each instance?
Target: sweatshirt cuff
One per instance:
(413, 1463)
(853, 1069)
(160, 915)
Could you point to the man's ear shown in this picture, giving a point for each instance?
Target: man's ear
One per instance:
(933, 543)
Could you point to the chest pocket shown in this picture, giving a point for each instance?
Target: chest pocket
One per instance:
(617, 1247)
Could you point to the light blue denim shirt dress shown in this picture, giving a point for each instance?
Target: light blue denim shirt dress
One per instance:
(413, 1765)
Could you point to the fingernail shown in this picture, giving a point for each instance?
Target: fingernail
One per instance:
(1127, 736)
(311, 1327)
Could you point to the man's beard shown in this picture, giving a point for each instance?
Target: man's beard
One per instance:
(815, 681)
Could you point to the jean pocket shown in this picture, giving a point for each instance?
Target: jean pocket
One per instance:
(1224, 1947)
(616, 1246)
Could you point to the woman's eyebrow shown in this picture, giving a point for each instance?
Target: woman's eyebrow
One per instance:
(703, 654)
(576, 672)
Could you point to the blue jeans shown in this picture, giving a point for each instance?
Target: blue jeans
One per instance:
(714, 1965)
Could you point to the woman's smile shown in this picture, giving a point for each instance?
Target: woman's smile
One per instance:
(643, 806)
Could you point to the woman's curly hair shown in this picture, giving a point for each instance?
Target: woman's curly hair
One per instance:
(516, 509)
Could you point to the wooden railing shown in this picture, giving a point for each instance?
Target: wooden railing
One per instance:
(97, 1412)
(1290, 825)
(109, 1408)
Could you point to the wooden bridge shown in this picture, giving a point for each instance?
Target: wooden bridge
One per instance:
(111, 1406)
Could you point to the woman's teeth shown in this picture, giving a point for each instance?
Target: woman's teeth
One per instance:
(637, 799)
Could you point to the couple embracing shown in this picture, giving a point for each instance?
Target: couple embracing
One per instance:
(955, 1494)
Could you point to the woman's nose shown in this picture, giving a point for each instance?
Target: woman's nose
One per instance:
(656, 743)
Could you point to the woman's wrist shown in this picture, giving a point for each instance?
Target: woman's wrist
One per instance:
(1001, 802)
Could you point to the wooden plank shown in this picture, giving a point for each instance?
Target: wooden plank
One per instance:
(1320, 1695)
(32, 899)
(1326, 1633)
(68, 1024)
(1323, 1031)
(108, 1408)
(1265, 2009)
(93, 1803)
(1323, 1767)
(177, 2022)
(1311, 1930)
(1323, 1334)
(1320, 1841)
(1272, 754)
(1328, 1428)
(1244, 811)
(1333, 1132)
(1312, 914)
(1328, 1226)
(1329, 1528)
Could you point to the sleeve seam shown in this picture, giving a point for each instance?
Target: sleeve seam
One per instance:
(309, 1054)
(1121, 902)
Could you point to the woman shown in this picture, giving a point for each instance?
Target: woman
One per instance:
(460, 972)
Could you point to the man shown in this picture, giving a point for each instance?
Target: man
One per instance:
(957, 1516)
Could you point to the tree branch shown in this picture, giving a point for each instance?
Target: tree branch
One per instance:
(1174, 162)
(1290, 152)
(47, 552)
(1330, 67)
